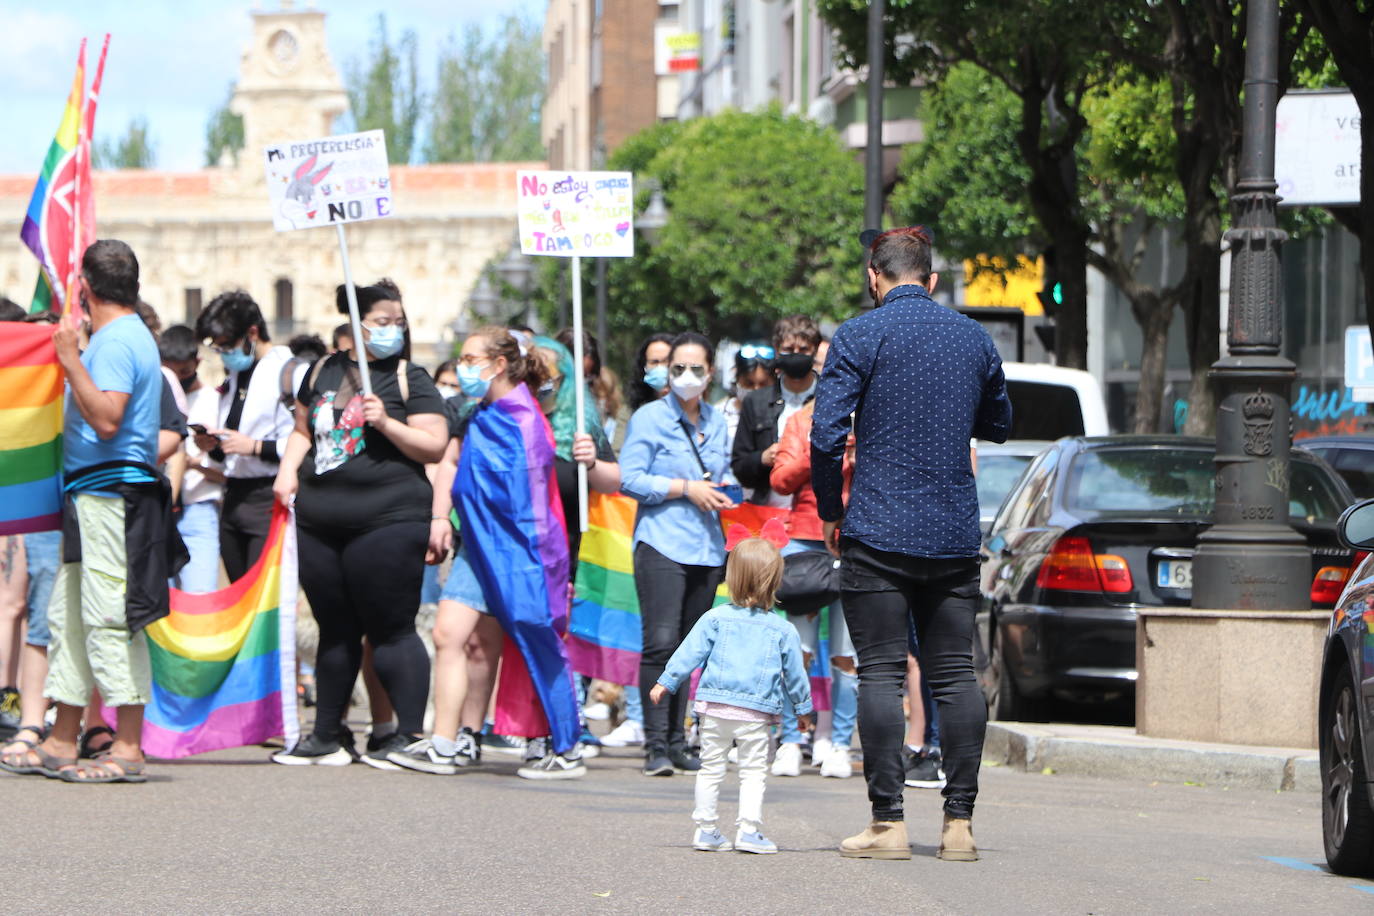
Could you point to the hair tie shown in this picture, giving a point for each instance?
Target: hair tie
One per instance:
(519, 341)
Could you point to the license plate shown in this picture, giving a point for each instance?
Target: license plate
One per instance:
(1175, 574)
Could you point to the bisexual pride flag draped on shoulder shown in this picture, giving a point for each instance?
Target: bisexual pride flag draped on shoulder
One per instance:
(224, 663)
(514, 537)
(30, 429)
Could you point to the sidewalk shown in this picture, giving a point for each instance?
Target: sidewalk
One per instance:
(1118, 752)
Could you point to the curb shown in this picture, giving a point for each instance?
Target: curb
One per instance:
(1035, 749)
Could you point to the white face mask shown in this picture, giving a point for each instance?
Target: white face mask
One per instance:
(687, 386)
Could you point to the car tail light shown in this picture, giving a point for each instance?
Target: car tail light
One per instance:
(1072, 566)
(1326, 587)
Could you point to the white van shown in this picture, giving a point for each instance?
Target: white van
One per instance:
(1049, 402)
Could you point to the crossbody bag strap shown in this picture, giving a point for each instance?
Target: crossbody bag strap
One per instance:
(691, 440)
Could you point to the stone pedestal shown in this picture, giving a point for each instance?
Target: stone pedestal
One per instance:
(1234, 677)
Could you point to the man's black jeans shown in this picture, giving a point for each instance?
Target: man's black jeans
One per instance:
(672, 598)
(882, 591)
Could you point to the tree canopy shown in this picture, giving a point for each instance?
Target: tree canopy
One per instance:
(136, 149)
(384, 92)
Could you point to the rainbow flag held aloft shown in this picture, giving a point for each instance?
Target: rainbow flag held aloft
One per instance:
(605, 636)
(60, 220)
(224, 663)
(31, 385)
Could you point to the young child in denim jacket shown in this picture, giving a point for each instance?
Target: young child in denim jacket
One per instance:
(750, 657)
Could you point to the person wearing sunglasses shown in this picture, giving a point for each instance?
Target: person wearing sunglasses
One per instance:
(252, 424)
(753, 370)
(764, 413)
(674, 463)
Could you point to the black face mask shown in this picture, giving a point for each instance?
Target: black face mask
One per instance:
(795, 365)
(188, 383)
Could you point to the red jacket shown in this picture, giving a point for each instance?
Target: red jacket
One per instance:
(791, 475)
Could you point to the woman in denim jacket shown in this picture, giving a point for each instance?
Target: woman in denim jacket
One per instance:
(750, 658)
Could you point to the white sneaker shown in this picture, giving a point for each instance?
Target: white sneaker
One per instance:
(787, 762)
(711, 840)
(589, 751)
(837, 764)
(597, 712)
(625, 734)
(820, 750)
(553, 766)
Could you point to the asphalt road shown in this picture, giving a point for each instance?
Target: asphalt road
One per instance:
(231, 833)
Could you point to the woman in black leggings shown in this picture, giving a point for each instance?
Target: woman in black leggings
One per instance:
(355, 466)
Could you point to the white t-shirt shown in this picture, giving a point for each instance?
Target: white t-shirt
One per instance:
(203, 408)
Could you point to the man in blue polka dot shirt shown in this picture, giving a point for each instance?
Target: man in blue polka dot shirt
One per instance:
(919, 380)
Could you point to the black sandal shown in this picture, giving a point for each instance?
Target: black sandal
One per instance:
(86, 751)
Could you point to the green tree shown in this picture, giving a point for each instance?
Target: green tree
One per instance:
(751, 235)
(384, 91)
(488, 95)
(970, 180)
(223, 133)
(1046, 53)
(135, 150)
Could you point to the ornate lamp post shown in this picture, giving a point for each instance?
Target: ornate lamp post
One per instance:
(482, 301)
(1251, 559)
(655, 215)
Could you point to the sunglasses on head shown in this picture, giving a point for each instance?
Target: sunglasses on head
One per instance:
(756, 352)
(677, 370)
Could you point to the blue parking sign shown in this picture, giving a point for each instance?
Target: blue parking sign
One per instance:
(1359, 358)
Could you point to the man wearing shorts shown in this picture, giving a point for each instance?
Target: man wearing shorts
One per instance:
(101, 600)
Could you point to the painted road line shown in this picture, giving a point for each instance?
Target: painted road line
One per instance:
(1298, 864)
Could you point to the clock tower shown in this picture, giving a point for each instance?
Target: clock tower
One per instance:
(288, 88)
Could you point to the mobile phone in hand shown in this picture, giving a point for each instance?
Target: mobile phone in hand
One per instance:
(198, 428)
(734, 491)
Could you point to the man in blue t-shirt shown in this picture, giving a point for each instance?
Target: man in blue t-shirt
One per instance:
(112, 415)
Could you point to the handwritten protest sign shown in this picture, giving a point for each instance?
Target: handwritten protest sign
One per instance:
(329, 181)
(576, 214)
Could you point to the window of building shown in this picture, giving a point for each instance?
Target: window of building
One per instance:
(286, 306)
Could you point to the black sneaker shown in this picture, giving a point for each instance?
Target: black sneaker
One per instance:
(658, 765)
(379, 748)
(469, 751)
(311, 751)
(348, 743)
(554, 766)
(684, 760)
(923, 770)
(504, 744)
(421, 755)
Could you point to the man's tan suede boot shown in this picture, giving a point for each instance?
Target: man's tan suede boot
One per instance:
(880, 840)
(956, 840)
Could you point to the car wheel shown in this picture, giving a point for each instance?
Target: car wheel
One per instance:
(1347, 820)
(1005, 702)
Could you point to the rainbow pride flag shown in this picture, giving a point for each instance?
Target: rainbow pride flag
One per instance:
(30, 430)
(60, 220)
(605, 636)
(224, 663)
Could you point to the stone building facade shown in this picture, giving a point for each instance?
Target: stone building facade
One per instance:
(198, 233)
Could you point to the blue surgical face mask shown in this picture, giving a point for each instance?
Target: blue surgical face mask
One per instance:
(656, 377)
(236, 360)
(384, 342)
(471, 381)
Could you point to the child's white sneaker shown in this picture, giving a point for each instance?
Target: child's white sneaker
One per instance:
(755, 842)
(787, 762)
(820, 749)
(836, 764)
(710, 840)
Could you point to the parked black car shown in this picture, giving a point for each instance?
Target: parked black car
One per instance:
(1346, 711)
(1098, 527)
(999, 467)
(1351, 456)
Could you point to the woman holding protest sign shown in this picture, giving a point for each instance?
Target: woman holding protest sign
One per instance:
(355, 466)
(674, 462)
